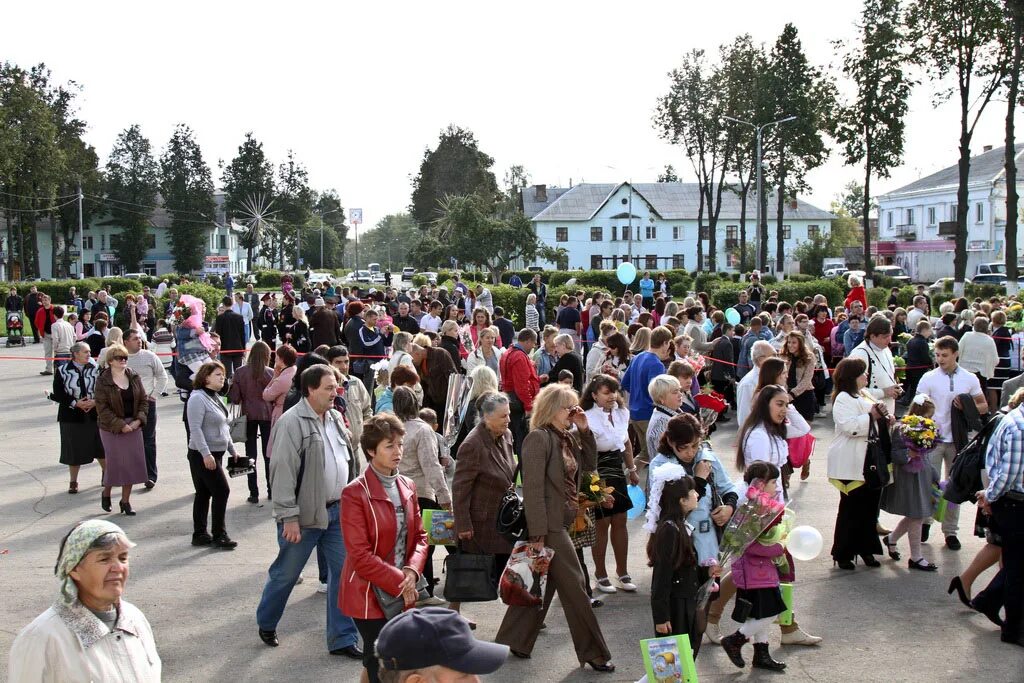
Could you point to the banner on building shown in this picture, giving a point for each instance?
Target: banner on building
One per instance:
(216, 265)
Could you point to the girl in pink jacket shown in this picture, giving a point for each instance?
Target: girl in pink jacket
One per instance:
(756, 574)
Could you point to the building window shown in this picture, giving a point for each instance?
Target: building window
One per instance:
(952, 211)
(615, 233)
(561, 234)
(889, 218)
(596, 233)
(651, 262)
(675, 232)
(732, 260)
(652, 232)
(931, 215)
(910, 216)
(151, 242)
(731, 232)
(787, 232)
(149, 269)
(596, 262)
(679, 261)
(813, 232)
(222, 241)
(704, 232)
(979, 212)
(87, 241)
(103, 241)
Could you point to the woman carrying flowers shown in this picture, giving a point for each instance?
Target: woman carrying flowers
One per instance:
(911, 492)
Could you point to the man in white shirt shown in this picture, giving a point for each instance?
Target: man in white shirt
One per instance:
(917, 313)
(874, 351)
(242, 307)
(759, 352)
(62, 335)
(484, 299)
(637, 308)
(431, 322)
(943, 385)
(150, 369)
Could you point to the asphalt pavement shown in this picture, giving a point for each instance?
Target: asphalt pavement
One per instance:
(885, 624)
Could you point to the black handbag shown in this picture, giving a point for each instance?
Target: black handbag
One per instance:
(876, 457)
(511, 522)
(393, 605)
(469, 577)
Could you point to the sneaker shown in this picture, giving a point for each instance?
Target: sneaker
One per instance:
(799, 637)
(626, 583)
(432, 601)
(604, 585)
(322, 588)
(714, 633)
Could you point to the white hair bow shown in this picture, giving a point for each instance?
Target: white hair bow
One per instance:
(920, 399)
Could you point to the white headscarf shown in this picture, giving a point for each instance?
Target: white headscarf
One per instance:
(661, 476)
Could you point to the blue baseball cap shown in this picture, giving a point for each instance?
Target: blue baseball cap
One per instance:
(434, 636)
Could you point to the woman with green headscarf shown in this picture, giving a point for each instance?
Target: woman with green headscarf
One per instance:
(89, 633)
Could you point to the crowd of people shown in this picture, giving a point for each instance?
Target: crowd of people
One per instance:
(345, 394)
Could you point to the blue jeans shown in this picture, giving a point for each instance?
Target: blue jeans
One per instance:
(291, 558)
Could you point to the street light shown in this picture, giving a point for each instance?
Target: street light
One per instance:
(760, 216)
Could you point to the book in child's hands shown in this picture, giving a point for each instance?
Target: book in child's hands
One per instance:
(440, 527)
(669, 659)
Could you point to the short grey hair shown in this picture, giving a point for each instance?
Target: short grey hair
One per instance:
(79, 346)
(401, 341)
(760, 350)
(484, 380)
(490, 402)
(662, 385)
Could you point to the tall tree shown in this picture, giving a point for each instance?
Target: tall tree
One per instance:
(248, 180)
(455, 167)
(871, 126)
(1014, 34)
(798, 90)
(294, 207)
(187, 188)
(328, 206)
(132, 185)
(390, 241)
(851, 199)
(668, 175)
(960, 38)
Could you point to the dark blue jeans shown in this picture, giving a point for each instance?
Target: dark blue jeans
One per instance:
(291, 558)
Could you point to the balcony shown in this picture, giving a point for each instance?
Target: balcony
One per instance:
(907, 232)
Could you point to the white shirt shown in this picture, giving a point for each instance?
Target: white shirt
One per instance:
(914, 316)
(430, 323)
(936, 384)
(63, 335)
(745, 394)
(150, 369)
(335, 460)
(245, 310)
(881, 372)
(760, 445)
(610, 434)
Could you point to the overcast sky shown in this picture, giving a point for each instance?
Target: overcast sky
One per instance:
(359, 90)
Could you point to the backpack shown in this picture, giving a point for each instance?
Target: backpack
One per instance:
(965, 474)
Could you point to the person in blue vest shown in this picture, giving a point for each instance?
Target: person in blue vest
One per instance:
(515, 281)
(647, 290)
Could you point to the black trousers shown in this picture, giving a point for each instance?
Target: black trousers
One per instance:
(32, 326)
(910, 384)
(232, 361)
(212, 492)
(251, 427)
(149, 441)
(369, 629)
(727, 389)
(855, 524)
(1007, 587)
(517, 424)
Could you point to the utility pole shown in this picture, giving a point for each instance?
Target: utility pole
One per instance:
(631, 220)
(81, 237)
(298, 244)
(321, 241)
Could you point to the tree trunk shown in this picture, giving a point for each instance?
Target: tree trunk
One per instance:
(10, 244)
(780, 242)
(962, 208)
(53, 249)
(1011, 159)
(867, 208)
(762, 256)
(712, 236)
(743, 230)
(248, 258)
(700, 240)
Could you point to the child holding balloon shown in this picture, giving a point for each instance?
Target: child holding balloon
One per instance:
(757, 577)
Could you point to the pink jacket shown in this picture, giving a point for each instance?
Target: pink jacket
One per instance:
(275, 393)
(755, 569)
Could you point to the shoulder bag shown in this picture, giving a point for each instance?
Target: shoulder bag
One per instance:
(238, 423)
(511, 522)
(469, 577)
(876, 458)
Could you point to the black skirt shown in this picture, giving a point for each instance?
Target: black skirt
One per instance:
(855, 532)
(609, 468)
(764, 602)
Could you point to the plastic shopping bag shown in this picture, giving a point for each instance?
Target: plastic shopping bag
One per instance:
(522, 582)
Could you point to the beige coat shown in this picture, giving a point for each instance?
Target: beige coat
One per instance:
(544, 496)
(421, 464)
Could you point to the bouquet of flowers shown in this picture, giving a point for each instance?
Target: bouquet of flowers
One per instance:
(711, 405)
(696, 362)
(750, 520)
(181, 312)
(900, 363)
(919, 435)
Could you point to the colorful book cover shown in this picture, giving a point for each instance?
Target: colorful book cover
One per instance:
(669, 659)
(440, 527)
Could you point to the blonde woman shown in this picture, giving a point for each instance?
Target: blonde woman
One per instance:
(641, 341)
(487, 352)
(558, 450)
(532, 314)
(800, 373)
(114, 336)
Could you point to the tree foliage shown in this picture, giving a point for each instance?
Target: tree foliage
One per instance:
(456, 167)
(132, 185)
(187, 188)
(294, 203)
(248, 179)
(390, 241)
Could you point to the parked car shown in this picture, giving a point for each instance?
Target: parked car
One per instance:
(895, 272)
(939, 286)
(377, 278)
(431, 277)
(407, 273)
(836, 271)
(357, 276)
(134, 276)
(990, 279)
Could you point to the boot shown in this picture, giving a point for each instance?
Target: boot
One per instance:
(763, 659)
(733, 646)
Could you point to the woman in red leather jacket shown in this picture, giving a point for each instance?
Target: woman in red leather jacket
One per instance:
(385, 543)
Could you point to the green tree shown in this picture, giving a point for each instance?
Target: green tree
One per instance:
(455, 167)
(870, 128)
(851, 199)
(961, 39)
(248, 179)
(668, 175)
(328, 206)
(294, 203)
(132, 185)
(390, 241)
(1014, 35)
(187, 188)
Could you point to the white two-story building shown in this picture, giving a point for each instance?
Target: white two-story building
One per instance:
(600, 225)
(917, 223)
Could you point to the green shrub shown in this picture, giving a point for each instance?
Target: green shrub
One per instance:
(271, 279)
(419, 280)
(726, 294)
(799, 277)
(985, 291)
(769, 279)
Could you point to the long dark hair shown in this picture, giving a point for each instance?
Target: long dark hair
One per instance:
(760, 414)
(595, 385)
(680, 430)
(770, 370)
(844, 377)
(619, 342)
(681, 553)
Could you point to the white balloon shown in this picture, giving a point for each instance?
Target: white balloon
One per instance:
(804, 543)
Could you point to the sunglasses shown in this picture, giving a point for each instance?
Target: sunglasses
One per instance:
(124, 358)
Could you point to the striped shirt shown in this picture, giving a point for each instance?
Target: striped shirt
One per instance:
(1004, 459)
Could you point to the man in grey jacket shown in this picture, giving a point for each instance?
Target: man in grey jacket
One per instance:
(313, 460)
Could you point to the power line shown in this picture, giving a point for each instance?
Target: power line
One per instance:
(43, 199)
(48, 208)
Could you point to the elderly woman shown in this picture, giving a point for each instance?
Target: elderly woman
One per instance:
(668, 398)
(484, 381)
(559, 447)
(399, 353)
(487, 351)
(568, 359)
(978, 352)
(89, 633)
(122, 407)
(74, 390)
(532, 314)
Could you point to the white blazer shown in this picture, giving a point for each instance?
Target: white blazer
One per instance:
(476, 359)
(852, 422)
(882, 372)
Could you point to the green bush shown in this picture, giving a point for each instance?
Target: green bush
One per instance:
(769, 280)
(271, 279)
(800, 277)
(419, 280)
(985, 291)
(726, 294)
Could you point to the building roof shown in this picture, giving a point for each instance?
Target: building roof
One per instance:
(986, 167)
(539, 197)
(669, 201)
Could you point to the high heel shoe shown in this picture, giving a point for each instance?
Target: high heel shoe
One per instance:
(957, 585)
(607, 667)
(844, 564)
(893, 553)
(105, 503)
(870, 561)
(126, 508)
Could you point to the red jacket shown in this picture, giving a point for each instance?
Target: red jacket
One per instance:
(856, 294)
(41, 316)
(368, 527)
(518, 376)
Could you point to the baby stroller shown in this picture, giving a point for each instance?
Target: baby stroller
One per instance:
(15, 328)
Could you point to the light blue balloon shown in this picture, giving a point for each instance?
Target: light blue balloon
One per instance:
(732, 316)
(626, 272)
(636, 495)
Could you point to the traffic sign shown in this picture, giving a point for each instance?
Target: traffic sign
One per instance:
(355, 216)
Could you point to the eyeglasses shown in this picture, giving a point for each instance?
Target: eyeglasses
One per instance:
(124, 358)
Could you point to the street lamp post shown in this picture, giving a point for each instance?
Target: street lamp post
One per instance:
(761, 215)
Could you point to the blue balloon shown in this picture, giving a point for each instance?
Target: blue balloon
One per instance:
(626, 272)
(732, 316)
(636, 495)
